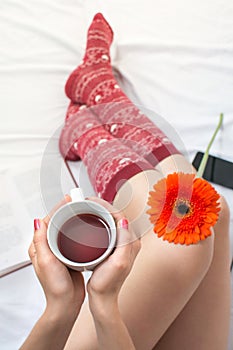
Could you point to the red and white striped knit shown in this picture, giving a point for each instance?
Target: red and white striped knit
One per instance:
(93, 83)
(109, 162)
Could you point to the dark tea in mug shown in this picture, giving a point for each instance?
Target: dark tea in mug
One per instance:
(83, 238)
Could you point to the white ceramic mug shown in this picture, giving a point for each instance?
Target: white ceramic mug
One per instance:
(79, 205)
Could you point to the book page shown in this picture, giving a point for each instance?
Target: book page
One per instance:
(22, 200)
(16, 227)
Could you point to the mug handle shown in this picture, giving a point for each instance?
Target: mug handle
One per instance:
(77, 195)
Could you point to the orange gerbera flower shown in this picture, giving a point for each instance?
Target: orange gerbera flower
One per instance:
(183, 208)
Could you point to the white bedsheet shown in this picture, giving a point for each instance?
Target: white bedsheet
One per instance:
(172, 57)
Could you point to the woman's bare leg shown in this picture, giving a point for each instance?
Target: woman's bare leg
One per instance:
(204, 322)
(164, 278)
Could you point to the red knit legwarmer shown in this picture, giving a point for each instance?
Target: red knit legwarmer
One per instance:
(94, 84)
(109, 162)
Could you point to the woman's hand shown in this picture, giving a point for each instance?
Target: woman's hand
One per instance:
(63, 288)
(108, 277)
(64, 291)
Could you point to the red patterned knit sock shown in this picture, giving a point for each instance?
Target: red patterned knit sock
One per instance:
(96, 61)
(68, 137)
(94, 84)
(109, 162)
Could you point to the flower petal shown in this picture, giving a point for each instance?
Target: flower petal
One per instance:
(198, 211)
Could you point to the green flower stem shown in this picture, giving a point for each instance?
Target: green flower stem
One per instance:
(202, 166)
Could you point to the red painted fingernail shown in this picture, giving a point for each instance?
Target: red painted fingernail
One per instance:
(36, 224)
(123, 223)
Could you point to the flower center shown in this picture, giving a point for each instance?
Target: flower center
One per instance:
(182, 208)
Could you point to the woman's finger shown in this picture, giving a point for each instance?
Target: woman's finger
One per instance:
(125, 233)
(128, 245)
(40, 242)
(32, 252)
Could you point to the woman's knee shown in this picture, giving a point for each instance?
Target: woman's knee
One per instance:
(224, 214)
(222, 234)
(186, 265)
(218, 242)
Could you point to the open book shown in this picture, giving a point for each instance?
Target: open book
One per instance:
(15, 226)
(22, 199)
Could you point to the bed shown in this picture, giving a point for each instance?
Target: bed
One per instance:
(173, 58)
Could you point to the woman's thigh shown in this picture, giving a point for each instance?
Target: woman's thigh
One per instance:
(204, 322)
